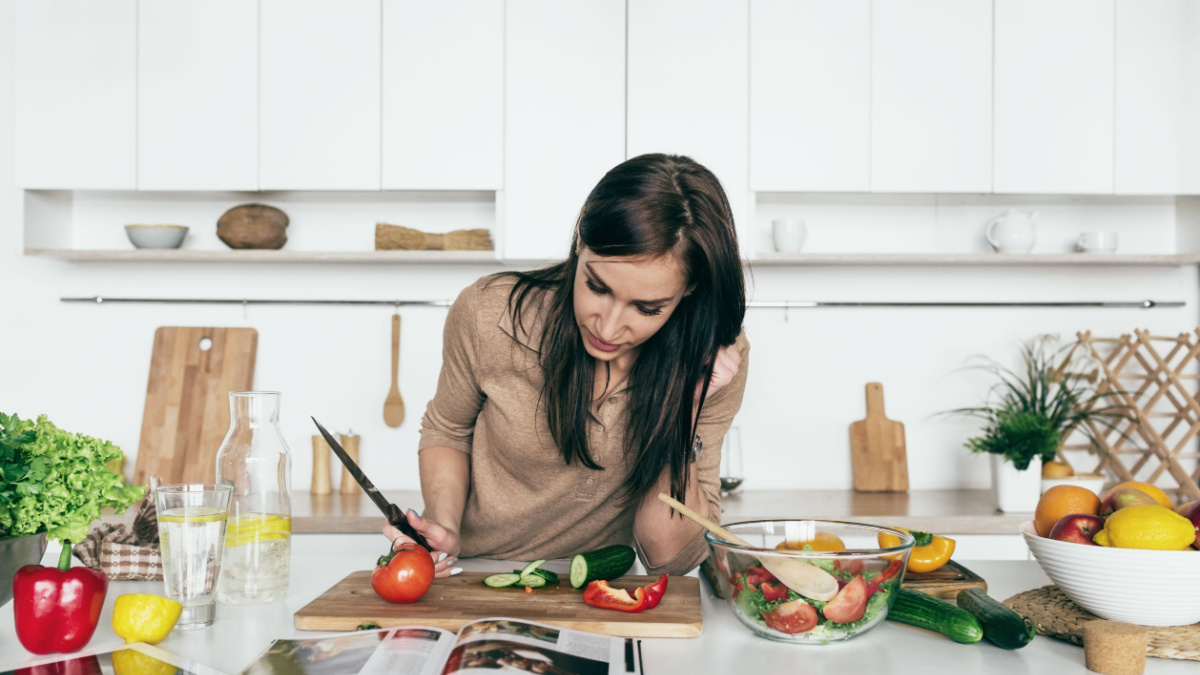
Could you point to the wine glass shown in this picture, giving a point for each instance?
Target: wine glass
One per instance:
(731, 461)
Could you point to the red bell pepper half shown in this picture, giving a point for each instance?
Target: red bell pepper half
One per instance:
(57, 609)
(600, 594)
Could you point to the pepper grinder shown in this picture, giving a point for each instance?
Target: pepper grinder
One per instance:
(320, 474)
(350, 445)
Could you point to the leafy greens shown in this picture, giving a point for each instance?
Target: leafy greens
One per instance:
(55, 481)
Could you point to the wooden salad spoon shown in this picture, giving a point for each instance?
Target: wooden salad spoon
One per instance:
(393, 406)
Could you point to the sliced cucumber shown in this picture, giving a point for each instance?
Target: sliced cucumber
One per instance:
(550, 577)
(606, 563)
(503, 580)
(528, 569)
(532, 581)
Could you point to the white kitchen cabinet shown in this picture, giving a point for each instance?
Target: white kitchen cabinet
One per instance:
(688, 85)
(319, 94)
(564, 118)
(931, 96)
(1054, 96)
(1158, 97)
(443, 95)
(197, 114)
(75, 81)
(810, 95)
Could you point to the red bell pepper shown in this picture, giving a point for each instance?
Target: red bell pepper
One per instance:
(892, 570)
(600, 594)
(57, 609)
(81, 665)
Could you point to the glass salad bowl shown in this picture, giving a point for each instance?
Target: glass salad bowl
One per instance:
(809, 581)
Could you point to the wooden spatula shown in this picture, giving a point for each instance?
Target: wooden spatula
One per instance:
(393, 406)
(803, 577)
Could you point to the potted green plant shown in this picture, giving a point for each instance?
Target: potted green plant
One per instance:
(53, 484)
(1030, 412)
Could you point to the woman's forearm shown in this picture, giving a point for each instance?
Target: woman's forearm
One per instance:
(661, 535)
(445, 480)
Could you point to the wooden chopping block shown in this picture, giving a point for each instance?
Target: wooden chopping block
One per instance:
(877, 449)
(192, 371)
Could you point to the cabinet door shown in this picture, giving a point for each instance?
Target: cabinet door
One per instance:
(76, 94)
(443, 95)
(197, 95)
(564, 117)
(931, 113)
(1054, 96)
(1158, 97)
(688, 87)
(810, 95)
(319, 94)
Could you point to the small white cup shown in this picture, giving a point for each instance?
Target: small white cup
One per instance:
(1096, 242)
(788, 234)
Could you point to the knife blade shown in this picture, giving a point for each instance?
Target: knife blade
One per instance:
(392, 512)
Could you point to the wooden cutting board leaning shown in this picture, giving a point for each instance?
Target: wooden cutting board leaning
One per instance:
(192, 371)
(454, 601)
(877, 449)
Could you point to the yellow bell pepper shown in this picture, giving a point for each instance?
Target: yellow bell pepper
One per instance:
(929, 551)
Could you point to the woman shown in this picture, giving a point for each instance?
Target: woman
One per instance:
(570, 396)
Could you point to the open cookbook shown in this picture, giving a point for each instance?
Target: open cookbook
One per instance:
(486, 645)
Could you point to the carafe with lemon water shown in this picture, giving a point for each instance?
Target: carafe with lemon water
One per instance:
(254, 459)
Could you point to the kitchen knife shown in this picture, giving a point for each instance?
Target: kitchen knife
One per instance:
(393, 513)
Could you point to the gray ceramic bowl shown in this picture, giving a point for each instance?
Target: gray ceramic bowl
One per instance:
(15, 553)
(156, 236)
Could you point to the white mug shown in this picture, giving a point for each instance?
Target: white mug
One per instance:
(1096, 242)
(788, 234)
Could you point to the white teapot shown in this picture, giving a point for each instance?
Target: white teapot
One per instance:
(1012, 231)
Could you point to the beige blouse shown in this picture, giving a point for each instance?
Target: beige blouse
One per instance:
(524, 501)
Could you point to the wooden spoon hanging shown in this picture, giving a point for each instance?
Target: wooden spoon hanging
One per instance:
(393, 406)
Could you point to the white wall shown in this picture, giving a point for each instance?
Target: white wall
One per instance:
(86, 366)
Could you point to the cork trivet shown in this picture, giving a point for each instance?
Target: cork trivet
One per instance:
(1114, 648)
(1058, 617)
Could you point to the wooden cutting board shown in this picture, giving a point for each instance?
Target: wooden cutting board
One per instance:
(187, 400)
(455, 601)
(877, 450)
(944, 582)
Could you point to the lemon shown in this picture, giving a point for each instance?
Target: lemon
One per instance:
(1148, 527)
(193, 514)
(129, 662)
(142, 617)
(252, 527)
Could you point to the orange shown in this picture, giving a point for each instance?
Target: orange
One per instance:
(1063, 500)
(822, 541)
(1152, 490)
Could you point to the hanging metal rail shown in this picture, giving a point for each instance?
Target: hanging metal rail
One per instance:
(765, 304)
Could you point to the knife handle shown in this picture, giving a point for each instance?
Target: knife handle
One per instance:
(399, 521)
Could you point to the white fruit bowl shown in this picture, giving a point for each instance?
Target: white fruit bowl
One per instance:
(1149, 588)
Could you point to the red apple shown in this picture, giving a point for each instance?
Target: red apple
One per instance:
(1193, 514)
(1123, 498)
(1077, 528)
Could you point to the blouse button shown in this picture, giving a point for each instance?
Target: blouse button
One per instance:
(589, 481)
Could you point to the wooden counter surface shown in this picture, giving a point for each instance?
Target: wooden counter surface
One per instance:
(942, 511)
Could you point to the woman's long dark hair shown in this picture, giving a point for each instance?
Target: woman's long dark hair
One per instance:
(652, 205)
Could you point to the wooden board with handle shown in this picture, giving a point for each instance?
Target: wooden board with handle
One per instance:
(877, 448)
(944, 582)
(455, 601)
(192, 371)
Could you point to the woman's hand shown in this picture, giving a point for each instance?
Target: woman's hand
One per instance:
(444, 541)
(725, 368)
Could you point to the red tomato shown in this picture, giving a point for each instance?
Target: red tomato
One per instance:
(404, 576)
(849, 604)
(792, 617)
(774, 590)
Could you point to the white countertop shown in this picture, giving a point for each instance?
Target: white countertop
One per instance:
(240, 635)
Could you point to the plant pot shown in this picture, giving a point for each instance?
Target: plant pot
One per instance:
(15, 553)
(1016, 491)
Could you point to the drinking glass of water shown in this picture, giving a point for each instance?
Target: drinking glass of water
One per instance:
(191, 533)
(731, 461)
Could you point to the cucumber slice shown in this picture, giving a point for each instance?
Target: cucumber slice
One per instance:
(550, 577)
(606, 563)
(532, 581)
(528, 569)
(503, 580)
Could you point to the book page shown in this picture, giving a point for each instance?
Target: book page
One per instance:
(527, 647)
(400, 651)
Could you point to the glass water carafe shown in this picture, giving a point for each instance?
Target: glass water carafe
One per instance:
(254, 459)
